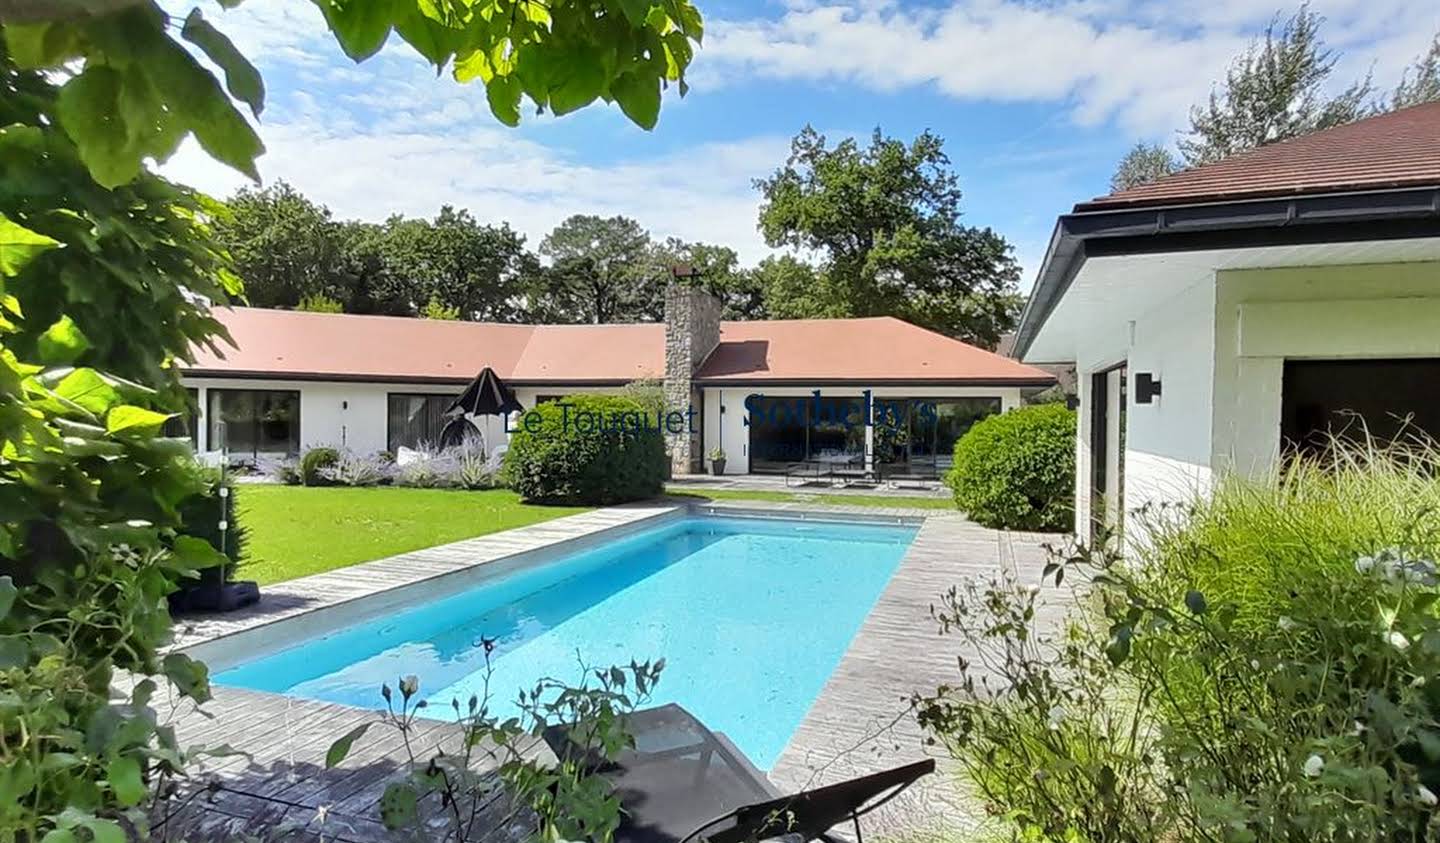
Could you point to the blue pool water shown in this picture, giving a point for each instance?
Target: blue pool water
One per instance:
(751, 616)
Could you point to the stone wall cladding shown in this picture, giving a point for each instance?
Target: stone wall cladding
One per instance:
(692, 330)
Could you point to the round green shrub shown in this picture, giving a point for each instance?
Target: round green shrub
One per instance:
(587, 450)
(314, 460)
(1016, 470)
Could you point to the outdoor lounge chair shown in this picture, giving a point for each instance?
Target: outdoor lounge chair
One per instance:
(683, 783)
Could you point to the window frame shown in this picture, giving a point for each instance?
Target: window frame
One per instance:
(389, 425)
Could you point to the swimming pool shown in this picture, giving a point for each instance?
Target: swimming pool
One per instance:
(750, 614)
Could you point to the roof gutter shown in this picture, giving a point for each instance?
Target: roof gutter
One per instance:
(1395, 214)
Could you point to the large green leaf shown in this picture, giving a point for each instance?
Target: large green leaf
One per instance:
(125, 780)
(503, 94)
(576, 83)
(196, 99)
(241, 78)
(361, 26)
(38, 45)
(19, 245)
(90, 112)
(399, 806)
(62, 342)
(422, 28)
(188, 675)
(636, 11)
(639, 97)
(89, 389)
(135, 421)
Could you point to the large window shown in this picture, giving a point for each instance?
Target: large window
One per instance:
(415, 420)
(251, 422)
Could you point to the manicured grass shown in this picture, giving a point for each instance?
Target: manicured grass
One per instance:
(910, 501)
(294, 531)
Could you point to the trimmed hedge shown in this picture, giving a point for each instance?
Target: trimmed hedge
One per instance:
(1016, 470)
(587, 450)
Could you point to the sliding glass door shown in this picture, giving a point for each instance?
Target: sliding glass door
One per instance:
(916, 436)
(252, 422)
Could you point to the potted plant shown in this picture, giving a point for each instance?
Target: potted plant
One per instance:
(717, 461)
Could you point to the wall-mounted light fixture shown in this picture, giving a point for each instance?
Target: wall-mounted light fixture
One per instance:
(1147, 387)
(1072, 402)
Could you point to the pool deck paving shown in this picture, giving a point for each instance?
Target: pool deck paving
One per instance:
(859, 723)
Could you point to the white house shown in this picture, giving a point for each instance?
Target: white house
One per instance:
(372, 383)
(1222, 315)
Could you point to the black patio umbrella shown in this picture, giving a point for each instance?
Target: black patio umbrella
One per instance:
(487, 395)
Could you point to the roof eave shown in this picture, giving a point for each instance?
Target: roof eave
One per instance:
(1048, 380)
(1352, 216)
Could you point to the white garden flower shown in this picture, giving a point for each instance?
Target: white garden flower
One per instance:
(1254, 664)
(1313, 765)
(1397, 640)
(1057, 716)
(1365, 564)
(1427, 796)
(1285, 623)
(1357, 729)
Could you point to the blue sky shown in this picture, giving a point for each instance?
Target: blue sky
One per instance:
(1036, 102)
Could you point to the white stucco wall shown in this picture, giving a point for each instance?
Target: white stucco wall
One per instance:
(353, 415)
(335, 413)
(727, 429)
(1167, 442)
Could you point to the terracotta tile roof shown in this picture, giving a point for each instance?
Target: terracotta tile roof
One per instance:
(874, 349)
(1399, 149)
(285, 343)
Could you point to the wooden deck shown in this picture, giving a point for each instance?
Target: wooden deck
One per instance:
(857, 725)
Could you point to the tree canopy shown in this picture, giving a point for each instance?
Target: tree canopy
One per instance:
(1144, 163)
(1279, 88)
(1275, 90)
(885, 217)
(1421, 81)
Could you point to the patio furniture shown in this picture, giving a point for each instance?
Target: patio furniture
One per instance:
(807, 473)
(682, 782)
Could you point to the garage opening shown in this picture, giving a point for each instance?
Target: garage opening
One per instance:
(1389, 398)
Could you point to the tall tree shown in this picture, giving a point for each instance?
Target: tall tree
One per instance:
(1274, 91)
(1421, 82)
(602, 269)
(285, 247)
(791, 289)
(716, 269)
(886, 218)
(479, 271)
(1144, 163)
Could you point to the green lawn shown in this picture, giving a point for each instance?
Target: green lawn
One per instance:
(294, 531)
(914, 502)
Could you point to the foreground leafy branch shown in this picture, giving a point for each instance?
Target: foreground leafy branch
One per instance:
(135, 91)
(100, 297)
(495, 762)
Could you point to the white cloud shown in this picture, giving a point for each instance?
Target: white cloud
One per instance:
(502, 177)
(1141, 65)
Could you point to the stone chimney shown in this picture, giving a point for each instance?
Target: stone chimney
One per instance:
(692, 330)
